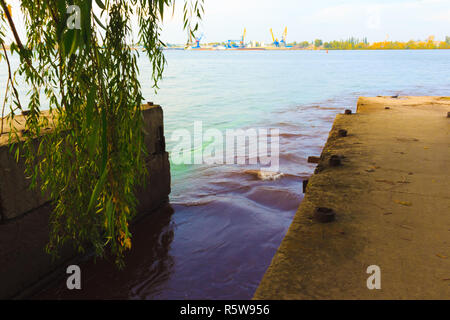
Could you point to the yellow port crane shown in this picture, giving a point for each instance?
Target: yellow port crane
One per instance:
(275, 41)
(284, 37)
(281, 43)
(243, 38)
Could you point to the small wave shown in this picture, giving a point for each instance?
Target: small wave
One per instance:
(265, 175)
(290, 135)
(305, 107)
(192, 203)
(278, 198)
(292, 157)
(285, 124)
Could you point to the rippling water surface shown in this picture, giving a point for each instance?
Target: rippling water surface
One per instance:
(224, 224)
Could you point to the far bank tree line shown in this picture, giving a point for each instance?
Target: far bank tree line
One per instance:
(363, 44)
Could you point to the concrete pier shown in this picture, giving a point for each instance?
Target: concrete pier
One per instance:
(391, 198)
(24, 213)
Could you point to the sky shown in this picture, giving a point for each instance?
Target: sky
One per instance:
(401, 20)
(378, 20)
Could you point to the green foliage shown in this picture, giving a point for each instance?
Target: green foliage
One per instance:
(318, 43)
(303, 44)
(350, 44)
(363, 44)
(94, 158)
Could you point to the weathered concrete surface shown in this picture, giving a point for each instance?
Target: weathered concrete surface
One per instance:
(16, 198)
(391, 196)
(24, 227)
(157, 189)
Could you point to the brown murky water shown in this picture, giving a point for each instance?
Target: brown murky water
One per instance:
(217, 237)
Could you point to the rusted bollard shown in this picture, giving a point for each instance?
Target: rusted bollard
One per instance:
(324, 215)
(342, 133)
(335, 160)
(305, 184)
(313, 159)
(348, 111)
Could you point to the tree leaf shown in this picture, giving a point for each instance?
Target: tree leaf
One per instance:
(97, 189)
(100, 4)
(99, 22)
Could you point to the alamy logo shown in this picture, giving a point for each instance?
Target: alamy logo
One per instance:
(74, 280)
(74, 20)
(374, 281)
(234, 146)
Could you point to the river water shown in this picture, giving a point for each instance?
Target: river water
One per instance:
(224, 223)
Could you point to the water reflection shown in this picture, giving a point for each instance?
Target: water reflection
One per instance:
(148, 265)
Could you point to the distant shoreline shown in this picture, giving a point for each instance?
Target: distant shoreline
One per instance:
(301, 49)
(284, 49)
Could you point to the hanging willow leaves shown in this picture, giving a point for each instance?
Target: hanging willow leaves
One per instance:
(93, 159)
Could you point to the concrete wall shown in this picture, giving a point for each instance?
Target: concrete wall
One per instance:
(24, 213)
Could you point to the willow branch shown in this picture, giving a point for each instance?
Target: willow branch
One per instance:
(4, 104)
(10, 79)
(11, 24)
(17, 38)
